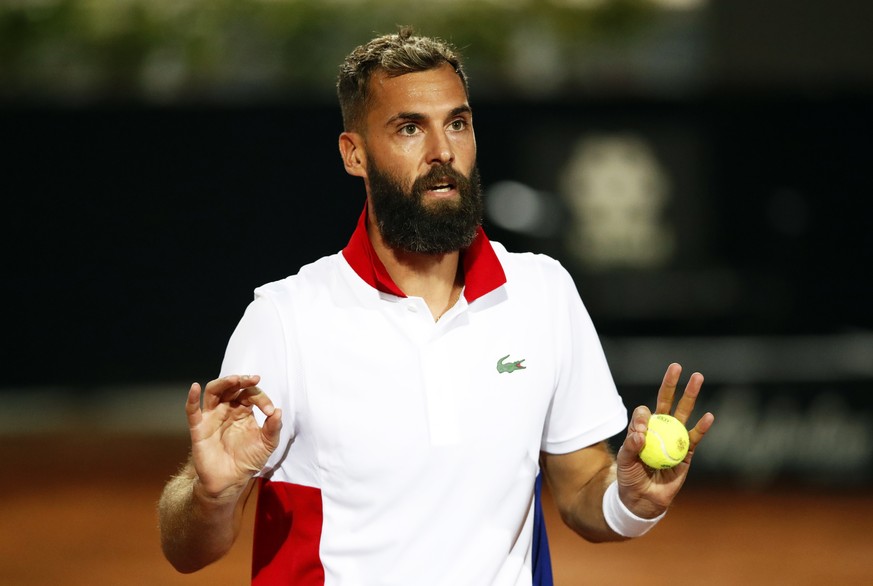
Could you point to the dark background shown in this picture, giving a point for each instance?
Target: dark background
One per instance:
(135, 232)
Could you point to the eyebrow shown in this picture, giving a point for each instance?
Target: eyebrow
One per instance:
(419, 117)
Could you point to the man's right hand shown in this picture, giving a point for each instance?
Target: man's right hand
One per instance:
(228, 447)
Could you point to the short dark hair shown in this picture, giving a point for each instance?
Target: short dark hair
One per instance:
(395, 54)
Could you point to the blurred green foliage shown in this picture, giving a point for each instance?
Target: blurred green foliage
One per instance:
(240, 50)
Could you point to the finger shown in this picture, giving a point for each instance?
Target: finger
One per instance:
(689, 398)
(216, 389)
(668, 389)
(255, 396)
(237, 393)
(696, 434)
(192, 406)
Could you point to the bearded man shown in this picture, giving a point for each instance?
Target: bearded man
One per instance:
(404, 397)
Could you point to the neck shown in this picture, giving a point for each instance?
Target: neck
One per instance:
(436, 278)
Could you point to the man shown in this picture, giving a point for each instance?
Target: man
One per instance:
(407, 392)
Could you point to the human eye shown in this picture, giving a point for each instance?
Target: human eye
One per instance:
(458, 124)
(408, 129)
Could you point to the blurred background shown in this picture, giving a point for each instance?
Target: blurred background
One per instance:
(702, 167)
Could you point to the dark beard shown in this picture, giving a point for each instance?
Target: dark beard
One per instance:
(407, 223)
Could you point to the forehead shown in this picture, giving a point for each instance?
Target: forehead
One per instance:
(424, 92)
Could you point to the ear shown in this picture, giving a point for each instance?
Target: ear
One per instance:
(353, 153)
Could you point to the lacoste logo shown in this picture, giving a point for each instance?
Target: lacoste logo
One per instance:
(509, 366)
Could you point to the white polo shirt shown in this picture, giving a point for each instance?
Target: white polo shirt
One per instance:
(410, 448)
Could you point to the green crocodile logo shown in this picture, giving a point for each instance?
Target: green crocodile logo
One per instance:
(509, 366)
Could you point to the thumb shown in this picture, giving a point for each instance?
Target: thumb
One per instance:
(636, 435)
(628, 457)
(272, 428)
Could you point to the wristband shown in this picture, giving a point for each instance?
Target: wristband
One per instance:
(620, 519)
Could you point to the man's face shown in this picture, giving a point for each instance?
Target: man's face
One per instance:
(420, 167)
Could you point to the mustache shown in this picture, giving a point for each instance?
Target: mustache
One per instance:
(437, 175)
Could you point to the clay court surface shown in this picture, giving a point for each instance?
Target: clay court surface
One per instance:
(81, 510)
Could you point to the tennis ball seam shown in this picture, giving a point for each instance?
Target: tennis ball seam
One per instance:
(664, 449)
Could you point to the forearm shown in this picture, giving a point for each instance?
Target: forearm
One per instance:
(578, 481)
(197, 530)
(582, 511)
(598, 512)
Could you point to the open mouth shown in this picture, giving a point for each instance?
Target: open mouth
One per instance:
(442, 187)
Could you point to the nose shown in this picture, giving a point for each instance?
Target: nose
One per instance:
(440, 149)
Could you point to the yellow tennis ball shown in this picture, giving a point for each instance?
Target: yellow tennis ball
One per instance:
(666, 442)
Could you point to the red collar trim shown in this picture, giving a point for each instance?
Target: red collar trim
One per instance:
(482, 270)
(362, 257)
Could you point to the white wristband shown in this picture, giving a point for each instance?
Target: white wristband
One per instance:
(620, 519)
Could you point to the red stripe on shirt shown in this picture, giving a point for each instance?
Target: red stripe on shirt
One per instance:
(287, 537)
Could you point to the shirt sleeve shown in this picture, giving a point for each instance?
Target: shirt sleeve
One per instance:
(258, 346)
(586, 407)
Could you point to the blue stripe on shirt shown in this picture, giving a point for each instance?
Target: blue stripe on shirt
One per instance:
(542, 560)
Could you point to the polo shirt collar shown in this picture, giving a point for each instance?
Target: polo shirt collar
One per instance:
(482, 270)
